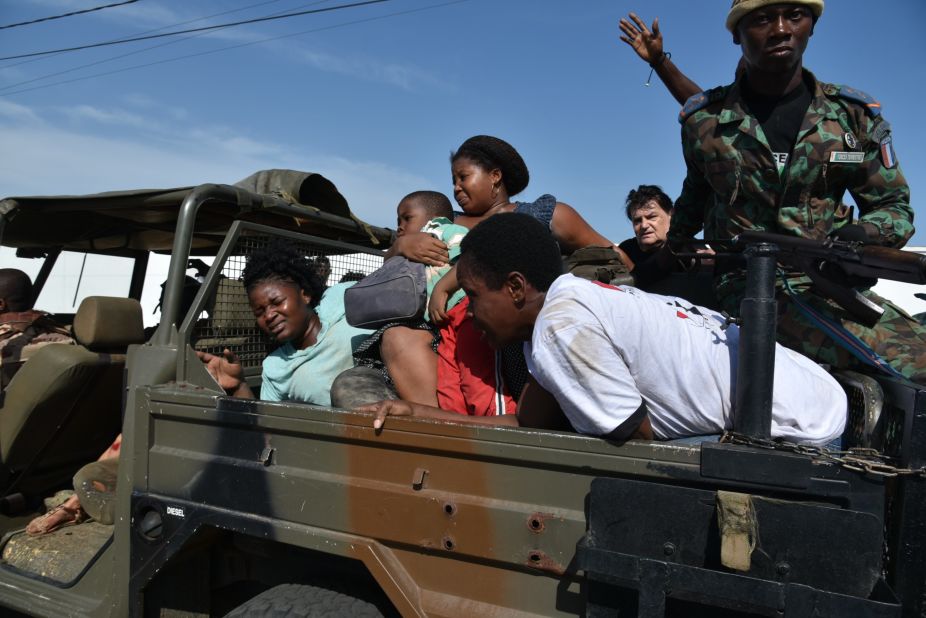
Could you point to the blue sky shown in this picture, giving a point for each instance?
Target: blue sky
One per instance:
(378, 106)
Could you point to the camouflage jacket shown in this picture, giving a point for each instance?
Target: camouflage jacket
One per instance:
(733, 183)
(22, 334)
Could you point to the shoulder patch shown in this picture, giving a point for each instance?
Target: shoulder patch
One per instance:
(700, 101)
(862, 98)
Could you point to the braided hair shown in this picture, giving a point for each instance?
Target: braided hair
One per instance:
(491, 153)
(281, 260)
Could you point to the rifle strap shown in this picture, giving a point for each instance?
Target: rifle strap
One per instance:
(832, 328)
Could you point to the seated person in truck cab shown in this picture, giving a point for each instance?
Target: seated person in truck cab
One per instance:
(23, 330)
(289, 305)
(614, 361)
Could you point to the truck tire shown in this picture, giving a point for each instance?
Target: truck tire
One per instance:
(302, 600)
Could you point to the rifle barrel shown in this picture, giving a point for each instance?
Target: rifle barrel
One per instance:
(854, 258)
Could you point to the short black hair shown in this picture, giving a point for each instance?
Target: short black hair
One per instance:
(512, 242)
(16, 289)
(352, 275)
(645, 193)
(281, 260)
(436, 204)
(491, 153)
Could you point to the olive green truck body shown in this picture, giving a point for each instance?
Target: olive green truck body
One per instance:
(220, 500)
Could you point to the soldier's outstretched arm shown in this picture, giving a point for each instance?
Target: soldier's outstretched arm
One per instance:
(647, 43)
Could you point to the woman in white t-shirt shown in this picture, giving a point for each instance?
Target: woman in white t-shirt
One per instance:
(616, 361)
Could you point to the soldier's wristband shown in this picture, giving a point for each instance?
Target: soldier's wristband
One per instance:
(661, 60)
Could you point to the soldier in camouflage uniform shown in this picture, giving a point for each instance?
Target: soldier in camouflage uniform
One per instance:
(736, 181)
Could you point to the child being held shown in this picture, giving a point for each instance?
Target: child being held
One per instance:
(467, 373)
(431, 212)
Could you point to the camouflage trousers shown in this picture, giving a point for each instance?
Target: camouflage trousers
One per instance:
(897, 337)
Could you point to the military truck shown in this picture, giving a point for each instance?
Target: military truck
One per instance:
(251, 508)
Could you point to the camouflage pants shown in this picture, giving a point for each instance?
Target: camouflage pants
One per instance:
(897, 338)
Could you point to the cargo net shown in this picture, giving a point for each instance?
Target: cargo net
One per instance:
(228, 322)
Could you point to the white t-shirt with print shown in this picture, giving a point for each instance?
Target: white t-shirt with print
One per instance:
(602, 350)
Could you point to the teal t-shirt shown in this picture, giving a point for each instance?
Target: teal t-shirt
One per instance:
(452, 235)
(306, 375)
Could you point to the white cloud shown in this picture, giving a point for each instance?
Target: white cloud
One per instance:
(105, 116)
(50, 157)
(145, 102)
(403, 76)
(16, 112)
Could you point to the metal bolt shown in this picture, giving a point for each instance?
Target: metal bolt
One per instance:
(418, 478)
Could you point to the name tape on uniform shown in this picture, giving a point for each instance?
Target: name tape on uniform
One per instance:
(847, 157)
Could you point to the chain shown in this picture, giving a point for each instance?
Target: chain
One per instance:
(859, 459)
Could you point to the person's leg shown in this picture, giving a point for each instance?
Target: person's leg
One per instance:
(95, 487)
(897, 338)
(71, 511)
(113, 450)
(412, 363)
(67, 513)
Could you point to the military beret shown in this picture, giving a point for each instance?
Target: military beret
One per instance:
(740, 8)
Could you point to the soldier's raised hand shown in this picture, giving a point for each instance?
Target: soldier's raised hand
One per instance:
(645, 41)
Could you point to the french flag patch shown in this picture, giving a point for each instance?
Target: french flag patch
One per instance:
(887, 153)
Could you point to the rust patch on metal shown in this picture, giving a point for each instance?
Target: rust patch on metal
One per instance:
(539, 560)
(536, 522)
(382, 502)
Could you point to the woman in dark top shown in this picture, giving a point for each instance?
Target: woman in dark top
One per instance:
(487, 172)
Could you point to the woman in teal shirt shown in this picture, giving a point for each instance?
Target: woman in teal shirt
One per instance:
(291, 305)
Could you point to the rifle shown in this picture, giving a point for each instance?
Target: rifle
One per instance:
(821, 260)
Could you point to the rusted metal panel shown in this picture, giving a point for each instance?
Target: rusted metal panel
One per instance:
(463, 510)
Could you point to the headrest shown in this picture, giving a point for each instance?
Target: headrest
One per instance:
(107, 322)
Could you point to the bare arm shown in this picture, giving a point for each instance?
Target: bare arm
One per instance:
(647, 44)
(538, 408)
(398, 407)
(443, 290)
(420, 247)
(573, 232)
(637, 427)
